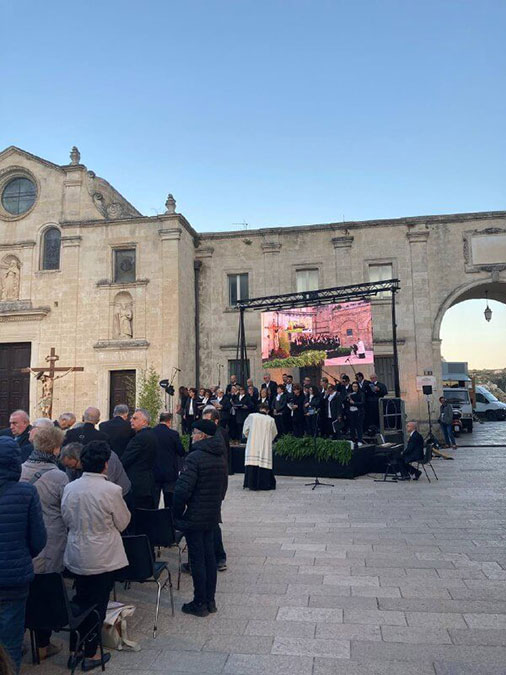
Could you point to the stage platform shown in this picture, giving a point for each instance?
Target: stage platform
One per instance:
(367, 459)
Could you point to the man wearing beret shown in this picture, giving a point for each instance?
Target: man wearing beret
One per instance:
(198, 494)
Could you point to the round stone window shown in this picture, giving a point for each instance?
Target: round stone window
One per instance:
(18, 196)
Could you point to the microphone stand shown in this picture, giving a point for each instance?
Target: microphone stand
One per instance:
(316, 483)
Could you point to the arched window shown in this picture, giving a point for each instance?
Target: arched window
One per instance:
(51, 242)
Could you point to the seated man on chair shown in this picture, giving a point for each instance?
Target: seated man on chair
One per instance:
(412, 453)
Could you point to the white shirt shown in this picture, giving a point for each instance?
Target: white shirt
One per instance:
(190, 409)
(329, 399)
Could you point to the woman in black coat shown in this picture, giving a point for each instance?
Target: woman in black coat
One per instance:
(264, 398)
(243, 407)
(280, 408)
(355, 407)
(297, 407)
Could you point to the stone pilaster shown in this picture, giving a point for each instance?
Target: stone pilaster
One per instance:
(342, 250)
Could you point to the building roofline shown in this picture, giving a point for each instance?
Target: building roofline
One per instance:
(162, 217)
(14, 148)
(357, 224)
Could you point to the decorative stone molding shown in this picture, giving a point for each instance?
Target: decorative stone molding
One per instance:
(71, 240)
(108, 201)
(170, 205)
(417, 237)
(343, 242)
(121, 345)
(106, 283)
(17, 244)
(75, 156)
(204, 252)
(170, 234)
(271, 247)
(230, 348)
(21, 310)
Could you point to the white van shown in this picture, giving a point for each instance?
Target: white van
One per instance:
(461, 401)
(487, 405)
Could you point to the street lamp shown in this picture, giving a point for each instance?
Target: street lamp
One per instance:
(488, 312)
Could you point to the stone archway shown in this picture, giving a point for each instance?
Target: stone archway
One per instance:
(474, 290)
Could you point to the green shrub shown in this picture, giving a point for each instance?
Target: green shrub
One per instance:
(185, 440)
(326, 449)
(150, 394)
(310, 358)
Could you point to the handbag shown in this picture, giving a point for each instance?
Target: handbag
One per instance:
(114, 630)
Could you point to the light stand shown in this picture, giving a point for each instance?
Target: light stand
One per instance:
(316, 483)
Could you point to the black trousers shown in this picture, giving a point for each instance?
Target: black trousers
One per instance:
(93, 589)
(356, 422)
(203, 564)
(219, 551)
(298, 423)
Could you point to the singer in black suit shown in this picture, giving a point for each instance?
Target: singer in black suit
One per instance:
(118, 429)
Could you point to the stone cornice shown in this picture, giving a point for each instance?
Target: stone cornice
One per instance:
(18, 244)
(105, 283)
(121, 345)
(21, 310)
(343, 227)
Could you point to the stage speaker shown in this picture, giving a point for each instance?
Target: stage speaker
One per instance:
(427, 389)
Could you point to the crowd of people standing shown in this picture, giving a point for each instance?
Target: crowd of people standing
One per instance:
(68, 491)
(336, 410)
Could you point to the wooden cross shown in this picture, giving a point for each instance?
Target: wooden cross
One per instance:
(47, 375)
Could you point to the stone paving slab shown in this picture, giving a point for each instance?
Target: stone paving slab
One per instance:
(364, 579)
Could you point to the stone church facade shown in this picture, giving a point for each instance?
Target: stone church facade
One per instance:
(115, 292)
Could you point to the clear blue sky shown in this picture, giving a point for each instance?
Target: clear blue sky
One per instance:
(267, 111)
(273, 112)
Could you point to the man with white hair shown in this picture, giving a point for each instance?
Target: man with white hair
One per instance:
(19, 429)
(412, 453)
(87, 432)
(66, 421)
(118, 429)
(139, 460)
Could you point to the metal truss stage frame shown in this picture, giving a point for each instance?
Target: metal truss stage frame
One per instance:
(325, 296)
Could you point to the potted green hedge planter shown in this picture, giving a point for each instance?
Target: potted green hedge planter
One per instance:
(331, 459)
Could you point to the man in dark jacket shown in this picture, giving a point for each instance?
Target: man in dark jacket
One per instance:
(412, 453)
(118, 429)
(198, 494)
(22, 537)
(166, 464)
(139, 460)
(19, 429)
(87, 432)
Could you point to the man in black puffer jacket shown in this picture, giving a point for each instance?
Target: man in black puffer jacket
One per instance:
(22, 537)
(198, 494)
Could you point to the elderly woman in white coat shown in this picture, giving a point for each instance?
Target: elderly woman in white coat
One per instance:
(41, 470)
(95, 514)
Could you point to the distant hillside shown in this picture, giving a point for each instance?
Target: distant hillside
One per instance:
(493, 380)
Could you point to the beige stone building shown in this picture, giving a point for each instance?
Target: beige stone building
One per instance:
(114, 292)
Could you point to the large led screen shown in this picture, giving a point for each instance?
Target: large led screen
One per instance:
(330, 335)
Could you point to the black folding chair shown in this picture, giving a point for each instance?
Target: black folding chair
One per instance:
(143, 569)
(158, 525)
(427, 460)
(49, 608)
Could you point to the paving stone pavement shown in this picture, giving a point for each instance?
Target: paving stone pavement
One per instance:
(362, 578)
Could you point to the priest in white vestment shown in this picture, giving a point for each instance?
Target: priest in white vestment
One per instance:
(260, 430)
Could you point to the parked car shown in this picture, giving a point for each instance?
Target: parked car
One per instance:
(461, 401)
(487, 405)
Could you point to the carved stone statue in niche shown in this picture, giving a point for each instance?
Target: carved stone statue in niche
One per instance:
(123, 317)
(10, 278)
